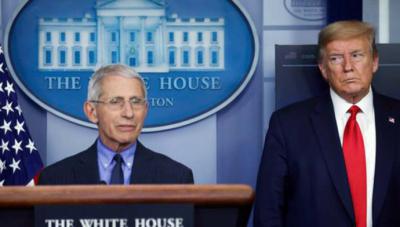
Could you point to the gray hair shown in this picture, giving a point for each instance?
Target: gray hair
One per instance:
(94, 87)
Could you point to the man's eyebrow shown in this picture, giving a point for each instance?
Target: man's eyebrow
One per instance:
(135, 96)
(335, 54)
(357, 51)
(116, 97)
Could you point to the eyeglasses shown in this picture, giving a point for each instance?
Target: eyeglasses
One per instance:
(118, 103)
(338, 59)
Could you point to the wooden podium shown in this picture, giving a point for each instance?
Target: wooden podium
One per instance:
(214, 205)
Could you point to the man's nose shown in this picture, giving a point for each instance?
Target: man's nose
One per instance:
(347, 63)
(127, 110)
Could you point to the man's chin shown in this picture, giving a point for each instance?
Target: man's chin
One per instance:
(123, 144)
(353, 94)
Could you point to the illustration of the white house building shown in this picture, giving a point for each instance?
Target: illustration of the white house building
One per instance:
(133, 32)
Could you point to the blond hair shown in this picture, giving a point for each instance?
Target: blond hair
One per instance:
(344, 30)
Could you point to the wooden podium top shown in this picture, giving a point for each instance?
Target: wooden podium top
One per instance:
(219, 194)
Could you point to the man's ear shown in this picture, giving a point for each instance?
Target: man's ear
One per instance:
(322, 68)
(90, 111)
(375, 63)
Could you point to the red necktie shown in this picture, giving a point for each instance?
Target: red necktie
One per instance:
(354, 156)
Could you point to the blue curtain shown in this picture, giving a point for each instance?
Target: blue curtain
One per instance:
(343, 10)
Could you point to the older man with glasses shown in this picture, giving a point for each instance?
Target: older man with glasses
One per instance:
(117, 104)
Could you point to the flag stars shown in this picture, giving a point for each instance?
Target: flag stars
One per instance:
(19, 127)
(18, 108)
(8, 107)
(19, 159)
(31, 146)
(15, 165)
(6, 126)
(9, 88)
(2, 165)
(17, 146)
(4, 146)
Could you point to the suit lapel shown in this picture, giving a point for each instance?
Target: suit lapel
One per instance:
(386, 145)
(87, 170)
(324, 124)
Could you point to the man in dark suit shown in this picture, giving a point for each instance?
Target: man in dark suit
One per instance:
(117, 104)
(334, 160)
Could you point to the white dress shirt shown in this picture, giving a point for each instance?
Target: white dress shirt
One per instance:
(366, 121)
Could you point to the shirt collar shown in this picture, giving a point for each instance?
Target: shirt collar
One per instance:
(106, 155)
(341, 106)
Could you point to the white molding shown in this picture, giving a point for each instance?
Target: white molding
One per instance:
(384, 21)
(1, 23)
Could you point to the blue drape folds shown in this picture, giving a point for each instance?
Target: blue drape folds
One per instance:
(343, 10)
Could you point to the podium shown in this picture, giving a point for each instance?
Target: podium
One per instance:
(214, 205)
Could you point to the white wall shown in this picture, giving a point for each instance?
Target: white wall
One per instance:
(384, 15)
(1, 24)
(280, 28)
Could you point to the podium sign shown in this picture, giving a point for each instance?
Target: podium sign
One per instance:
(126, 205)
(114, 215)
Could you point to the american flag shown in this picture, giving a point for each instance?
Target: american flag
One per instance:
(20, 161)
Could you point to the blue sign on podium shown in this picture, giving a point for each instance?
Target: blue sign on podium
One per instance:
(114, 215)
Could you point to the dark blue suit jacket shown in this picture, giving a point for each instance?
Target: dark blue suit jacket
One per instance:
(302, 180)
(149, 167)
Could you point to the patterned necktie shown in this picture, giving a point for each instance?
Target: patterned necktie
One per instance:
(354, 156)
(117, 175)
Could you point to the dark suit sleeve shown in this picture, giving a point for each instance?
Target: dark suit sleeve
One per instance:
(175, 173)
(43, 179)
(188, 177)
(53, 175)
(47, 177)
(270, 202)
